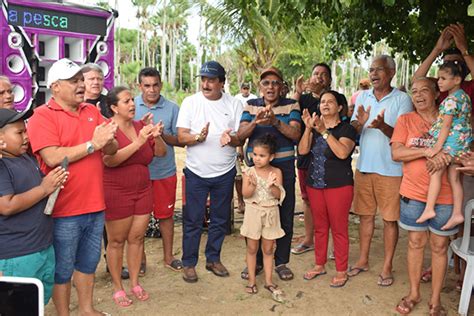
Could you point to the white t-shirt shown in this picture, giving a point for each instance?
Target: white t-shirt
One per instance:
(209, 159)
(245, 99)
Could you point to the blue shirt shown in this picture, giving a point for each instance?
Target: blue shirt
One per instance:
(31, 230)
(375, 153)
(167, 112)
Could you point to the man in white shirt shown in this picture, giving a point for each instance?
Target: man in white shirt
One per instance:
(245, 94)
(206, 124)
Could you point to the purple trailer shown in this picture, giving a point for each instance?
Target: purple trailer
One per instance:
(35, 34)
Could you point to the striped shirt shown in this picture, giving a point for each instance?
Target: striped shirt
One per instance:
(286, 110)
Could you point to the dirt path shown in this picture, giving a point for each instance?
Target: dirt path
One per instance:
(170, 295)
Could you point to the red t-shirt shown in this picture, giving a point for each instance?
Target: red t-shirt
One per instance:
(412, 131)
(51, 125)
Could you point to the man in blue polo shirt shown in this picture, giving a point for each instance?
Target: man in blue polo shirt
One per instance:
(162, 169)
(377, 178)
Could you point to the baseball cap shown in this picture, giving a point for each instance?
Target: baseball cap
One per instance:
(212, 69)
(245, 85)
(8, 116)
(272, 70)
(63, 69)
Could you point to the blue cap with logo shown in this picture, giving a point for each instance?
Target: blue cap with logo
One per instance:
(212, 69)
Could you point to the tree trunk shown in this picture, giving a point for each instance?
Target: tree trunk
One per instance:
(163, 44)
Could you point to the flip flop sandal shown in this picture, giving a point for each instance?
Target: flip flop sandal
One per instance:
(251, 289)
(311, 274)
(277, 294)
(426, 276)
(301, 248)
(245, 272)
(353, 271)
(437, 310)
(406, 306)
(335, 283)
(176, 265)
(140, 293)
(387, 281)
(121, 299)
(284, 272)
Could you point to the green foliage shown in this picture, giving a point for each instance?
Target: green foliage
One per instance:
(410, 27)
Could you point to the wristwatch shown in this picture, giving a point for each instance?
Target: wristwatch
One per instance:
(465, 53)
(325, 134)
(90, 148)
(198, 138)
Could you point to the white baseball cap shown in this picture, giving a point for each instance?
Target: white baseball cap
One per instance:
(63, 69)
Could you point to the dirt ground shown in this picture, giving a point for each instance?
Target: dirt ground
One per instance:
(211, 295)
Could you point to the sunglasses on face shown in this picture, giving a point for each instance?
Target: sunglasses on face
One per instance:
(266, 83)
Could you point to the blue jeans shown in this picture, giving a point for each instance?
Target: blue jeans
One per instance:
(77, 243)
(197, 189)
(411, 210)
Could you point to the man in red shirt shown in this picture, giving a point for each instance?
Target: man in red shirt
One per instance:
(67, 127)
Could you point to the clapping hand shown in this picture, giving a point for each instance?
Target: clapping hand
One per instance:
(262, 117)
(145, 133)
(378, 122)
(147, 118)
(54, 179)
(158, 129)
(225, 137)
(300, 85)
(272, 179)
(307, 119)
(318, 124)
(362, 115)
(104, 134)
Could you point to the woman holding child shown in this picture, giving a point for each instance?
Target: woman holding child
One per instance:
(410, 142)
(128, 191)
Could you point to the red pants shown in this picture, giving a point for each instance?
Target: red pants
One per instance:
(330, 209)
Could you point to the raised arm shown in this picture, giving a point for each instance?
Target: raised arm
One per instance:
(443, 43)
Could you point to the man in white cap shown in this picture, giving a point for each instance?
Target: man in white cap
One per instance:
(67, 127)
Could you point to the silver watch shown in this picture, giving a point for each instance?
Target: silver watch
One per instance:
(90, 148)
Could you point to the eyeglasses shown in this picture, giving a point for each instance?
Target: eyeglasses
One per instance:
(376, 69)
(266, 83)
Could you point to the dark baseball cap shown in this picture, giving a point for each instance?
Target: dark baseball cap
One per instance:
(245, 85)
(272, 70)
(212, 69)
(8, 116)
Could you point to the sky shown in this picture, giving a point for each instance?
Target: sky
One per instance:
(127, 17)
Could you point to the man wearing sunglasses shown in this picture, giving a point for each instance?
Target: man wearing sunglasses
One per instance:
(281, 117)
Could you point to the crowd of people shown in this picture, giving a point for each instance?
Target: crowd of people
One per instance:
(121, 168)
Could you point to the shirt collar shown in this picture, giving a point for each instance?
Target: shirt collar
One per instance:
(159, 104)
(53, 105)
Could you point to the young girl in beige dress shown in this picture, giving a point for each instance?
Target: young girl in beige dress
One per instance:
(263, 192)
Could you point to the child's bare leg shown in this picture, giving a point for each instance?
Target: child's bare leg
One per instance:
(267, 249)
(252, 248)
(457, 217)
(433, 192)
